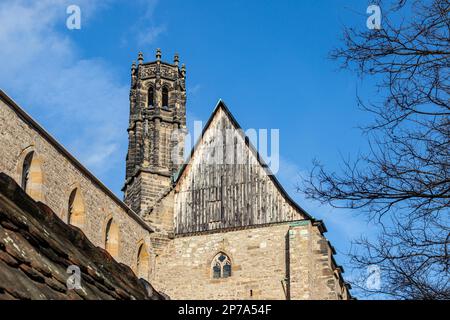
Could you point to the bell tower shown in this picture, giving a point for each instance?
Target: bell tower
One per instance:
(156, 130)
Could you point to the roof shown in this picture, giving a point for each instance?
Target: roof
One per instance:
(37, 247)
(222, 106)
(28, 119)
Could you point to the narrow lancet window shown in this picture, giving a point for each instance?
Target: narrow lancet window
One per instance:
(76, 213)
(26, 170)
(150, 98)
(112, 238)
(165, 97)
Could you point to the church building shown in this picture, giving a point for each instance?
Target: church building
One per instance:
(218, 225)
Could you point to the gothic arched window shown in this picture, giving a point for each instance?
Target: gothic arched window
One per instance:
(150, 97)
(26, 170)
(165, 97)
(32, 177)
(76, 215)
(221, 266)
(142, 263)
(112, 238)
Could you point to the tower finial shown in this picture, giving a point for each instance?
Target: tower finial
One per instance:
(183, 69)
(176, 59)
(140, 57)
(158, 54)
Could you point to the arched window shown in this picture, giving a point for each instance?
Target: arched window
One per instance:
(221, 266)
(112, 238)
(76, 214)
(32, 177)
(165, 97)
(26, 170)
(150, 97)
(142, 269)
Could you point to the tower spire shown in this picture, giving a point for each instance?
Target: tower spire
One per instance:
(140, 57)
(157, 116)
(158, 54)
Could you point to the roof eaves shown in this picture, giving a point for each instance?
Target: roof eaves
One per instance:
(28, 119)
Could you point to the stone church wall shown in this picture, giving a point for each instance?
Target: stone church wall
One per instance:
(262, 259)
(19, 135)
(144, 190)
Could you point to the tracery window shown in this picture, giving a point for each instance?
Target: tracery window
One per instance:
(221, 266)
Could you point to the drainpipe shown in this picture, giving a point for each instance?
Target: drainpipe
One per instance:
(286, 282)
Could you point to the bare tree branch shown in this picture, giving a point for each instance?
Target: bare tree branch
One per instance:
(405, 177)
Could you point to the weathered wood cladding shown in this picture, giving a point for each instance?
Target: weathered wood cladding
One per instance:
(225, 186)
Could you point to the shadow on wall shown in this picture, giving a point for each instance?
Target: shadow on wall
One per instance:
(40, 246)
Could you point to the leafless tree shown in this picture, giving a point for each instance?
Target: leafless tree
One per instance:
(403, 182)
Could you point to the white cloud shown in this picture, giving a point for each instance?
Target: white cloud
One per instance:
(148, 35)
(145, 31)
(79, 100)
(101, 156)
(192, 91)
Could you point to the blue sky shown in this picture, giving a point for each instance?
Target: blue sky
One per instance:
(266, 59)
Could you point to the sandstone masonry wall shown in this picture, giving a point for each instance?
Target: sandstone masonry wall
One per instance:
(61, 174)
(271, 259)
(277, 261)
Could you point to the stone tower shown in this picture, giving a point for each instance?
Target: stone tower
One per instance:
(155, 131)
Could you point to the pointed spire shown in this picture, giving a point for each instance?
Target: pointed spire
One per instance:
(176, 59)
(133, 65)
(183, 70)
(158, 54)
(140, 57)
